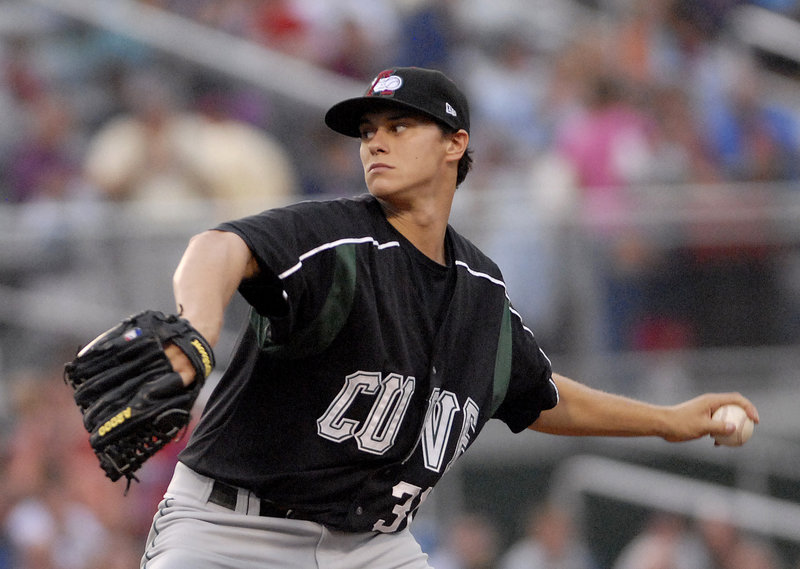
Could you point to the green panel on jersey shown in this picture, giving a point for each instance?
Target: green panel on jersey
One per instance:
(502, 363)
(321, 331)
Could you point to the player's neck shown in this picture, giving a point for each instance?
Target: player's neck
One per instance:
(424, 224)
(430, 241)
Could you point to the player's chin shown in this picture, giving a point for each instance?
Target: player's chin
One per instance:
(380, 187)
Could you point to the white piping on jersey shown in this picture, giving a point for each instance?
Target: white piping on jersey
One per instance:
(498, 282)
(332, 244)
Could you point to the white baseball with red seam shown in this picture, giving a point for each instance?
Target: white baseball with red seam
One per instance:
(744, 425)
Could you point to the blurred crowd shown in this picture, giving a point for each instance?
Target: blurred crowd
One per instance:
(552, 537)
(649, 106)
(578, 117)
(659, 92)
(57, 509)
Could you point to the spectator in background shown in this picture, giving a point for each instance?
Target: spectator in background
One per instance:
(680, 153)
(44, 165)
(57, 509)
(608, 147)
(278, 24)
(697, 58)
(50, 530)
(44, 431)
(728, 270)
(726, 545)
(712, 541)
(506, 90)
(133, 156)
(717, 533)
(470, 542)
(640, 41)
(665, 542)
(47, 525)
(162, 154)
(428, 34)
(19, 71)
(242, 167)
(755, 554)
(754, 138)
(20, 85)
(662, 43)
(353, 54)
(348, 36)
(334, 172)
(551, 541)
(353, 36)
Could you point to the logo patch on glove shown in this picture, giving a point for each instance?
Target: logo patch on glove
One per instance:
(132, 334)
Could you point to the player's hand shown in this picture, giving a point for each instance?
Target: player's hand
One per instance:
(180, 363)
(692, 419)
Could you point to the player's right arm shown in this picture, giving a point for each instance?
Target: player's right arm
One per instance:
(209, 273)
(585, 411)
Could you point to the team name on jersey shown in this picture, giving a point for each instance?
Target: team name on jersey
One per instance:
(391, 395)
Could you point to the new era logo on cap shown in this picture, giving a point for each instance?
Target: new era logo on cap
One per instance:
(424, 90)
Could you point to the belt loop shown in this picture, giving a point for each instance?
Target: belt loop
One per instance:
(253, 504)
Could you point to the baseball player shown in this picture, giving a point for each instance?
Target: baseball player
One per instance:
(379, 344)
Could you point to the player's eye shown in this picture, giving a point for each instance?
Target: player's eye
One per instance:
(366, 133)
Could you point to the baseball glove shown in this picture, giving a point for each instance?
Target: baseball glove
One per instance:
(133, 402)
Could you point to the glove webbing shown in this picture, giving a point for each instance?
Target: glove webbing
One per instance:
(127, 455)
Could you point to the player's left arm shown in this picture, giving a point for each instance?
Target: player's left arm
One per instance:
(210, 271)
(585, 411)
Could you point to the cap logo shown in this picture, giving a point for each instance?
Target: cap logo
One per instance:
(448, 108)
(387, 84)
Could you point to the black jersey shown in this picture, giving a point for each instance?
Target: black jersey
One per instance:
(349, 395)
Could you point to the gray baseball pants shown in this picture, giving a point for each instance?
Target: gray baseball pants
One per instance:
(190, 531)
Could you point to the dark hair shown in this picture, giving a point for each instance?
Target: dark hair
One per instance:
(465, 163)
(464, 166)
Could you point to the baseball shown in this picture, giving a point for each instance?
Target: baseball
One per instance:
(744, 425)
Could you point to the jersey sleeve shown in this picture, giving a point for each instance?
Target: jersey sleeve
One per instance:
(531, 389)
(279, 240)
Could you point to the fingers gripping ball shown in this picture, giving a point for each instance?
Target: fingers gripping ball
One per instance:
(132, 401)
(744, 425)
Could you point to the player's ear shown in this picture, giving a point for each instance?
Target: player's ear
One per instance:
(457, 144)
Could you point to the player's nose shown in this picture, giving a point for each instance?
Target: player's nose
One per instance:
(378, 142)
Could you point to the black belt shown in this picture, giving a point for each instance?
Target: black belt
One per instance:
(226, 496)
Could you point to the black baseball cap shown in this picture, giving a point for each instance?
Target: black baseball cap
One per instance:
(428, 91)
